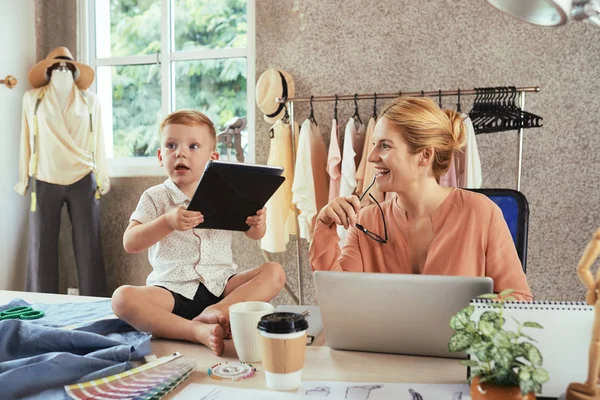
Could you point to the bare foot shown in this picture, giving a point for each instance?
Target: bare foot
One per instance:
(210, 335)
(215, 315)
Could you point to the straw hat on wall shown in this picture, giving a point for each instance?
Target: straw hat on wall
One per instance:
(271, 84)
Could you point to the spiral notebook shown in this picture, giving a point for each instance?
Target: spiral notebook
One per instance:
(564, 342)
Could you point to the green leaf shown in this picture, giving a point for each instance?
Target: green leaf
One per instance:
(525, 374)
(534, 356)
(487, 328)
(501, 340)
(462, 318)
(460, 341)
(533, 325)
(540, 375)
(506, 292)
(512, 335)
(499, 323)
(527, 337)
(481, 351)
(489, 316)
(522, 350)
(471, 327)
(527, 386)
(502, 356)
(469, 363)
(492, 296)
(504, 377)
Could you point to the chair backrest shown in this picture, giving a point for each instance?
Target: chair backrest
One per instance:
(515, 209)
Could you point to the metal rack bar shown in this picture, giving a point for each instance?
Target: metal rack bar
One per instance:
(370, 96)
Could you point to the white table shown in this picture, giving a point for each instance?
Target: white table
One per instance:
(321, 363)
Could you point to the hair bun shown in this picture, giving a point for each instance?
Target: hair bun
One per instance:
(457, 129)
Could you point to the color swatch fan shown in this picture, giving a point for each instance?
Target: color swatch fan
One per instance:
(149, 381)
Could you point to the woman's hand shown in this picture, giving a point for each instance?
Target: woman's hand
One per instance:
(342, 211)
(180, 219)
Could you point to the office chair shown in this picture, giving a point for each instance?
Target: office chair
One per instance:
(515, 209)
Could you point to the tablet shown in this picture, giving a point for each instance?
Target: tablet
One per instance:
(228, 193)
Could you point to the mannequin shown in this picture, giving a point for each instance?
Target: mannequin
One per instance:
(62, 80)
(62, 162)
(590, 390)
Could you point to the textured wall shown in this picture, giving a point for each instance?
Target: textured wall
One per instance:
(347, 46)
(391, 45)
(55, 25)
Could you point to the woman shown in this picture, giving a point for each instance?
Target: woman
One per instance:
(422, 227)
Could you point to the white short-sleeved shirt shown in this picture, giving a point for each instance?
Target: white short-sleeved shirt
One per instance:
(184, 259)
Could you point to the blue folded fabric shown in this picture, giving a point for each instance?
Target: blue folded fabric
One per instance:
(37, 357)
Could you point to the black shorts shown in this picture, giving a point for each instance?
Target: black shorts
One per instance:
(190, 309)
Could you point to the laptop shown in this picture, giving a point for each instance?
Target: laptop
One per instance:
(394, 313)
(228, 193)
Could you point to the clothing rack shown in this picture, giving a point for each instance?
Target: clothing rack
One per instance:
(374, 96)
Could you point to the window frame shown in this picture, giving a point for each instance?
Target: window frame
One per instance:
(148, 166)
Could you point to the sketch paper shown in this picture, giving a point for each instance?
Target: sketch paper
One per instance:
(332, 391)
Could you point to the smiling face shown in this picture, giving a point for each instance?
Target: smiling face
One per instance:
(397, 168)
(184, 152)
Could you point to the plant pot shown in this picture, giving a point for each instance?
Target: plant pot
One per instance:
(488, 391)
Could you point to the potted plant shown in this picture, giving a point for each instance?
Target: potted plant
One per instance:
(504, 364)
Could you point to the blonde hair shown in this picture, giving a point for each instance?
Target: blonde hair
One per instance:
(189, 117)
(423, 124)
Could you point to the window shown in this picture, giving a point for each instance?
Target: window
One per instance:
(155, 56)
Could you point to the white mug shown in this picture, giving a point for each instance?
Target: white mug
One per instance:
(243, 318)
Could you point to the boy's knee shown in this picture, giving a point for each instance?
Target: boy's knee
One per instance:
(276, 273)
(122, 300)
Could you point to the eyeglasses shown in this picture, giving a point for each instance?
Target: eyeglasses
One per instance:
(367, 232)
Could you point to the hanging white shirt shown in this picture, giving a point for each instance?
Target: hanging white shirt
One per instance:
(473, 162)
(64, 140)
(354, 138)
(303, 188)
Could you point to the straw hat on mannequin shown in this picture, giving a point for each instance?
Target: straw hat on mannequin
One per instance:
(271, 84)
(84, 75)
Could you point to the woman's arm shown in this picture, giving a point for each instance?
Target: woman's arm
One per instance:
(325, 254)
(502, 261)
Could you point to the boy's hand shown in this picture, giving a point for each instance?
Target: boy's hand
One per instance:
(180, 219)
(259, 220)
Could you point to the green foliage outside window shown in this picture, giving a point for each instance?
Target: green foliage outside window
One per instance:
(215, 87)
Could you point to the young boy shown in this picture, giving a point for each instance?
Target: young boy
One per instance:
(193, 281)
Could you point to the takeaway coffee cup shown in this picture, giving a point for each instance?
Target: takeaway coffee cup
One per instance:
(243, 318)
(283, 344)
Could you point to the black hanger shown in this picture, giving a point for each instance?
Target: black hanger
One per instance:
(496, 111)
(286, 115)
(422, 93)
(311, 117)
(458, 102)
(335, 114)
(440, 97)
(374, 105)
(355, 116)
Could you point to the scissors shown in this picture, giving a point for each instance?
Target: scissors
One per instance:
(22, 312)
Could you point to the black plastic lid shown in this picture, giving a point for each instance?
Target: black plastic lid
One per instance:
(282, 322)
